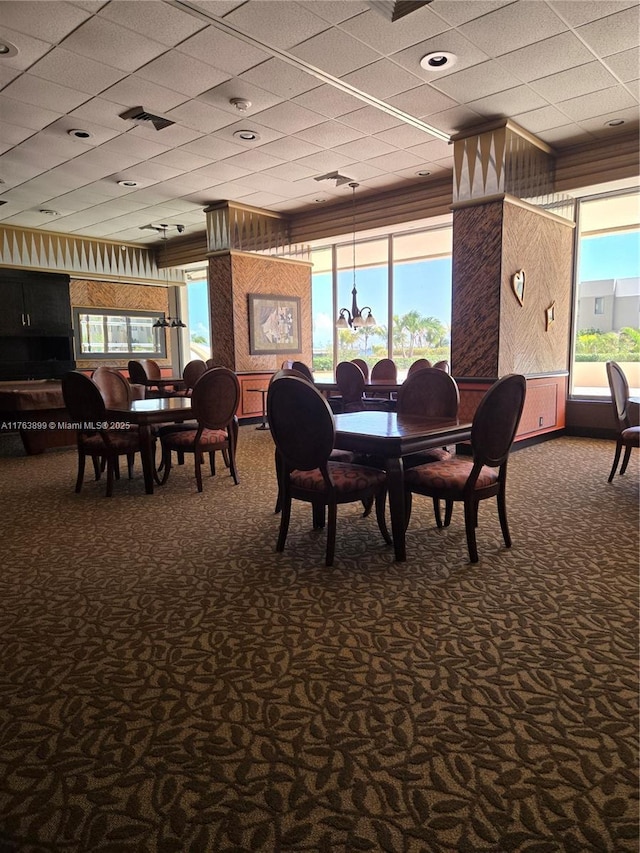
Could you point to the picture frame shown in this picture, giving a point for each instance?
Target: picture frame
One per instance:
(274, 324)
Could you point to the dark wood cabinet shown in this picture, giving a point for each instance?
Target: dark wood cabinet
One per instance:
(36, 336)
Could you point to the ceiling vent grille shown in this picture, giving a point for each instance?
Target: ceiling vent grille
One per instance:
(393, 10)
(140, 116)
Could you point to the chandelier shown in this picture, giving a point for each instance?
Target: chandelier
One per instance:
(168, 322)
(355, 318)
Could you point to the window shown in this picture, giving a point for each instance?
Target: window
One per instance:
(199, 315)
(404, 279)
(607, 308)
(103, 333)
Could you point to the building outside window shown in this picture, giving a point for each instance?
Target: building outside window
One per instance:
(607, 308)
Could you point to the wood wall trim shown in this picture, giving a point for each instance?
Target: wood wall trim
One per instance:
(598, 161)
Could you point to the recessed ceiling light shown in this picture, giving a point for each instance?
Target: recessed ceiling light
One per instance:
(47, 212)
(247, 135)
(7, 49)
(79, 133)
(423, 173)
(437, 60)
(319, 200)
(127, 183)
(615, 122)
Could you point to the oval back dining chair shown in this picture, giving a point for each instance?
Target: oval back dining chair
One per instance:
(214, 401)
(418, 364)
(484, 475)
(116, 391)
(303, 430)
(384, 369)
(302, 368)
(363, 365)
(142, 371)
(86, 406)
(442, 365)
(350, 382)
(192, 371)
(628, 435)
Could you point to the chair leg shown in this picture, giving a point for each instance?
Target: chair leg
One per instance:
(317, 514)
(130, 460)
(81, 460)
(408, 504)
(198, 463)
(448, 512)
(180, 456)
(470, 515)
(625, 461)
(111, 471)
(367, 506)
(436, 512)
(381, 500)
(331, 533)
(616, 459)
(225, 456)
(285, 516)
(99, 464)
(165, 466)
(233, 468)
(502, 515)
(212, 463)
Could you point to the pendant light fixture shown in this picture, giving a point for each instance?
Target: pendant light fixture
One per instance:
(356, 317)
(168, 322)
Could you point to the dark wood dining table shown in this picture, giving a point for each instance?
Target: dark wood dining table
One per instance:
(391, 437)
(147, 414)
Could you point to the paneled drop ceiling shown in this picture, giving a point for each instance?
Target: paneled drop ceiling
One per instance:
(333, 86)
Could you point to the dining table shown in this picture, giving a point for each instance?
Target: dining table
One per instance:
(147, 414)
(390, 437)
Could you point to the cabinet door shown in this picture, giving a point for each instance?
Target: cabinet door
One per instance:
(47, 304)
(12, 315)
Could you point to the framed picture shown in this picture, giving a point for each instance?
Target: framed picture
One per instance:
(274, 324)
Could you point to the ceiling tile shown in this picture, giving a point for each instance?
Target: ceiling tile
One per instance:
(326, 161)
(262, 199)
(588, 10)
(290, 172)
(369, 120)
(508, 103)
(365, 149)
(158, 21)
(458, 12)
(335, 52)
(254, 161)
(29, 49)
(454, 119)
(279, 22)
(626, 64)
(547, 57)
(289, 118)
(329, 134)
(217, 173)
(101, 112)
(216, 149)
(382, 79)
(282, 79)
(512, 26)
(328, 101)
(135, 91)
(26, 115)
(437, 149)
(404, 136)
(134, 146)
(33, 19)
(224, 51)
(99, 133)
(599, 126)
(290, 148)
(537, 121)
(574, 82)
(107, 42)
(282, 187)
(613, 33)
(397, 160)
(42, 93)
(171, 137)
(184, 73)
(79, 72)
(598, 103)
(199, 116)
(12, 134)
(476, 82)
(7, 75)
(388, 37)
(422, 101)
(334, 11)
(238, 87)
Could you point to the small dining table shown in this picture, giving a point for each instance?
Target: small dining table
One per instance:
(391, 437)
(147, 414)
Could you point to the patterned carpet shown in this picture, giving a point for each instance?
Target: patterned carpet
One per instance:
(169, 683)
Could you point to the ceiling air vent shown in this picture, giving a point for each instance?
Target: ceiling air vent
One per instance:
(140, 116)
(3, 202)
(393, 10)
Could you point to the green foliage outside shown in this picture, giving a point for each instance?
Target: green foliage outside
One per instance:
(593, 345)
(199, 339)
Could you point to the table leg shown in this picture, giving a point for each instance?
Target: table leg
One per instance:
(264, 424)
(395, 481)
(146, 456)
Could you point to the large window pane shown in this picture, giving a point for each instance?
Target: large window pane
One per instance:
(372, 285)
(199, 316)
(421, 297)
(607, 313)
(102, 334)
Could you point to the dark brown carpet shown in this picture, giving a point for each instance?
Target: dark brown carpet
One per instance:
(169, 683)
